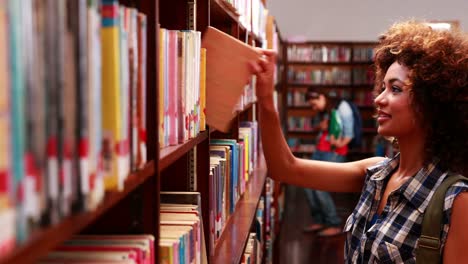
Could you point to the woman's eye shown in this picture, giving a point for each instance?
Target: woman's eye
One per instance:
(396, 89)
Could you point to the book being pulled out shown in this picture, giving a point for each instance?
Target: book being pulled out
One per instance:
(227, 73)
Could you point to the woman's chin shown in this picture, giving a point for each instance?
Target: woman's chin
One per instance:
(384, 132)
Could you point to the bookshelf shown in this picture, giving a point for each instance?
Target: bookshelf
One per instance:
(135, 209)
(343, 67)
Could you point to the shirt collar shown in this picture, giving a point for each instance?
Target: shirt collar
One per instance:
(417, 190)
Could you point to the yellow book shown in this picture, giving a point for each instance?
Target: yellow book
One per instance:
(247, 157)
(202, 89)
(111, 112)
(166, 252)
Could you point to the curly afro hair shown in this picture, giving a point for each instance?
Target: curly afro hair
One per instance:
(438, 74)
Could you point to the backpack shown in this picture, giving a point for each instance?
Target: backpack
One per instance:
(428, 250)
(356, 142)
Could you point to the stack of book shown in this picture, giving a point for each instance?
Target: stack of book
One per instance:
(72, 111)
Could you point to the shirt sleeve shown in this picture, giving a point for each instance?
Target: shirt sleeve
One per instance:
(346, 115)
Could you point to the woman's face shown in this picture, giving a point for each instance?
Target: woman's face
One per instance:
(395, 115)
(318, 103)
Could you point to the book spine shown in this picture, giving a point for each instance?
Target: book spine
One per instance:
(7, 211)
(161, 128)
(125, 90)
(81, 155)
(111, 96)
(142, 53)
(202, 89)
(17, 112)
(173, 87)
(95, 182)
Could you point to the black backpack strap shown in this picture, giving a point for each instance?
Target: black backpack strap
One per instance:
(428, 250)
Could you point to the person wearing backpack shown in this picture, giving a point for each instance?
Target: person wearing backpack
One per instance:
(421, 99)
(336, 132)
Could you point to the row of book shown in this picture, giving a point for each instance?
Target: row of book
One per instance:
(270, 215)
(363, 75)
(182, 238)
(318, 53)
(334, 75)
(72, 111)
(231, 163)
(252, 15)
(364, 97)
(363, 54)
(182, 96)
(296, 96)
(302, 124)
(115, 249)
(329, 53)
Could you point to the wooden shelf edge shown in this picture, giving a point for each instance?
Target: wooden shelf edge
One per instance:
(42, 241)
(223, 9)
(169, 154)
(315, 85)
(229, 248)
(331, 63)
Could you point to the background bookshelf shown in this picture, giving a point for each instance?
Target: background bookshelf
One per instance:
(184, 166)
(343, 67)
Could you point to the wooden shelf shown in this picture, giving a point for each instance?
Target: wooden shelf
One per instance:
(309, 135)
(338, 86)
(301, 111)
(230, 246)
(299, 108)
(170, 154)
(43, 241)
(220, 12)
(334, 63)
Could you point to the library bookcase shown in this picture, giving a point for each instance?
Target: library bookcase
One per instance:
(135, 209)
(342, 67)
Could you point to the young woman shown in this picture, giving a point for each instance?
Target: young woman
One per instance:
(421, 98)
(329, 148)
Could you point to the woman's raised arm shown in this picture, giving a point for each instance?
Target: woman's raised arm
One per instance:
(281, 163)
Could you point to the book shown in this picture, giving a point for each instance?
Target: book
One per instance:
(94, 183)
(142, 53)
(202, 89)
(227, 73)
(114, 160)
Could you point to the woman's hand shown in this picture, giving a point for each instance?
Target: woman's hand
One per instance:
(264, 68)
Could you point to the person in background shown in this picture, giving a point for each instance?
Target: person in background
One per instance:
(336, 131)
(421, 96)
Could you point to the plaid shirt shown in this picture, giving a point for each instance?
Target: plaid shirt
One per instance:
(393, 237)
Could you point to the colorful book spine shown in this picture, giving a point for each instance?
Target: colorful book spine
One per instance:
(142, 53)
(125, 87)
(7, 211)
(172, 87)
(202, 89)
(182, 74)
(113, 145)
(94, 183)
(35, 132)
(161, 88)
(17, 111)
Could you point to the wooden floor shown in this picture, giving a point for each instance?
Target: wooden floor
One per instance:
(297, 247)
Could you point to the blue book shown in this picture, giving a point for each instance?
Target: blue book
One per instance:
(18, 117)
(234, 177)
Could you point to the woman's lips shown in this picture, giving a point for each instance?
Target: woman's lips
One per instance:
(383, 116)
